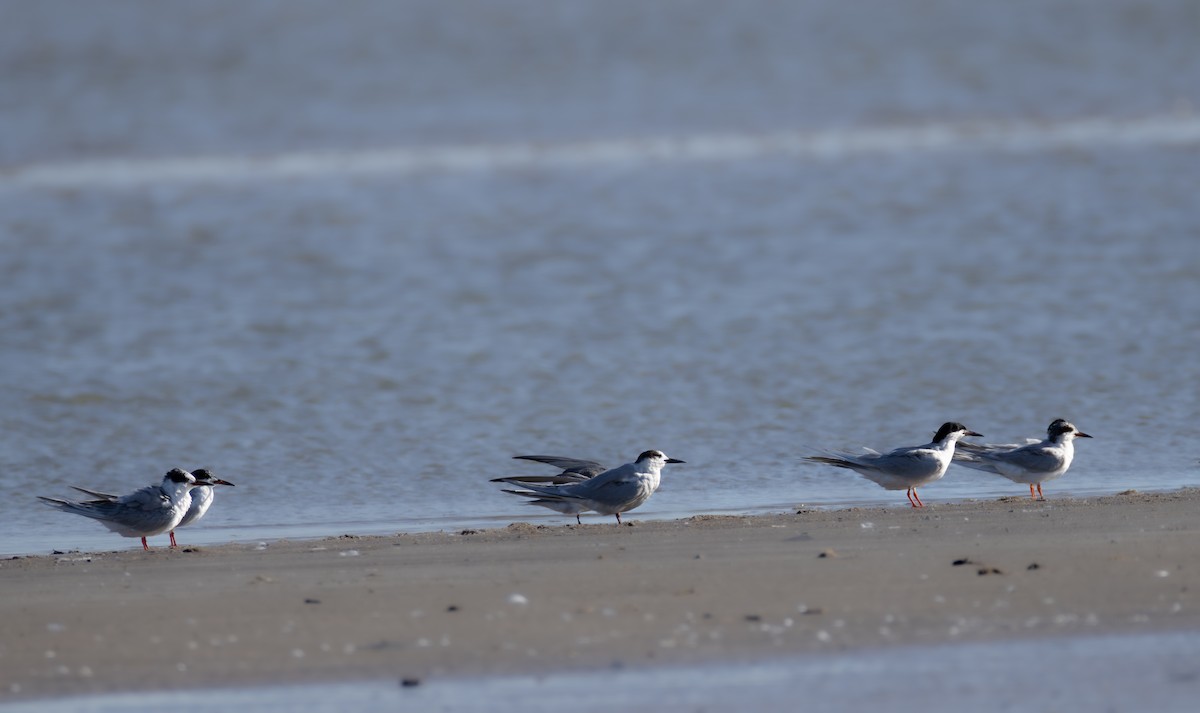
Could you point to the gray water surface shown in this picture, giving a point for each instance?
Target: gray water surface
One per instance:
(361, 349)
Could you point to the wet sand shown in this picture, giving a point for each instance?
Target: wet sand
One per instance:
(526, 599)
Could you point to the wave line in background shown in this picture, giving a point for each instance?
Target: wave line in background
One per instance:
(827, 144)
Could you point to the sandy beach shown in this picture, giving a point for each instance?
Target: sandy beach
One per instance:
(526, 599)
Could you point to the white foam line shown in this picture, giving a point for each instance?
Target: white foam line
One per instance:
(798, 145)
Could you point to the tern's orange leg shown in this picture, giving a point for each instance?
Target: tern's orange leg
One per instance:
(173, 542)
(918, 499)
(1031, 496)
(910, 494)
(1040, 496)
(144, 545)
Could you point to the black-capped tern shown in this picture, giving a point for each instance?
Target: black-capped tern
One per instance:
(904, 468)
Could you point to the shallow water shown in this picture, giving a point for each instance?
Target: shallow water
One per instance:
(356, 288)
(1147, 672)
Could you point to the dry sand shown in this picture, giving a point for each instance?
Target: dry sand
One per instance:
(527, 599)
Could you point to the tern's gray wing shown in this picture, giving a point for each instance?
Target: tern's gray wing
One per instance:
(148, 498)
(565, 506)
(1034, 459)
(900, 462)
(972, 455)
(538, 490)
(588, 468)
(606, 483)
(966, 448)
(612, 491)
(853, 461)
(560, 479)
(910, 462)
(96, 493)
(1009, 458)
(138, 516)
(611, 487)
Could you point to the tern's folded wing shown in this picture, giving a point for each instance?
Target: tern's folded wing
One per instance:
(1034, 459)
(150, 498)
(96, 493)
(587, 468)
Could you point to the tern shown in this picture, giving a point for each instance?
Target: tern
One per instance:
(610, 492)
(905, 468)
(1031, 464)
(202, 498)
(152, 510)
(574, 470)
